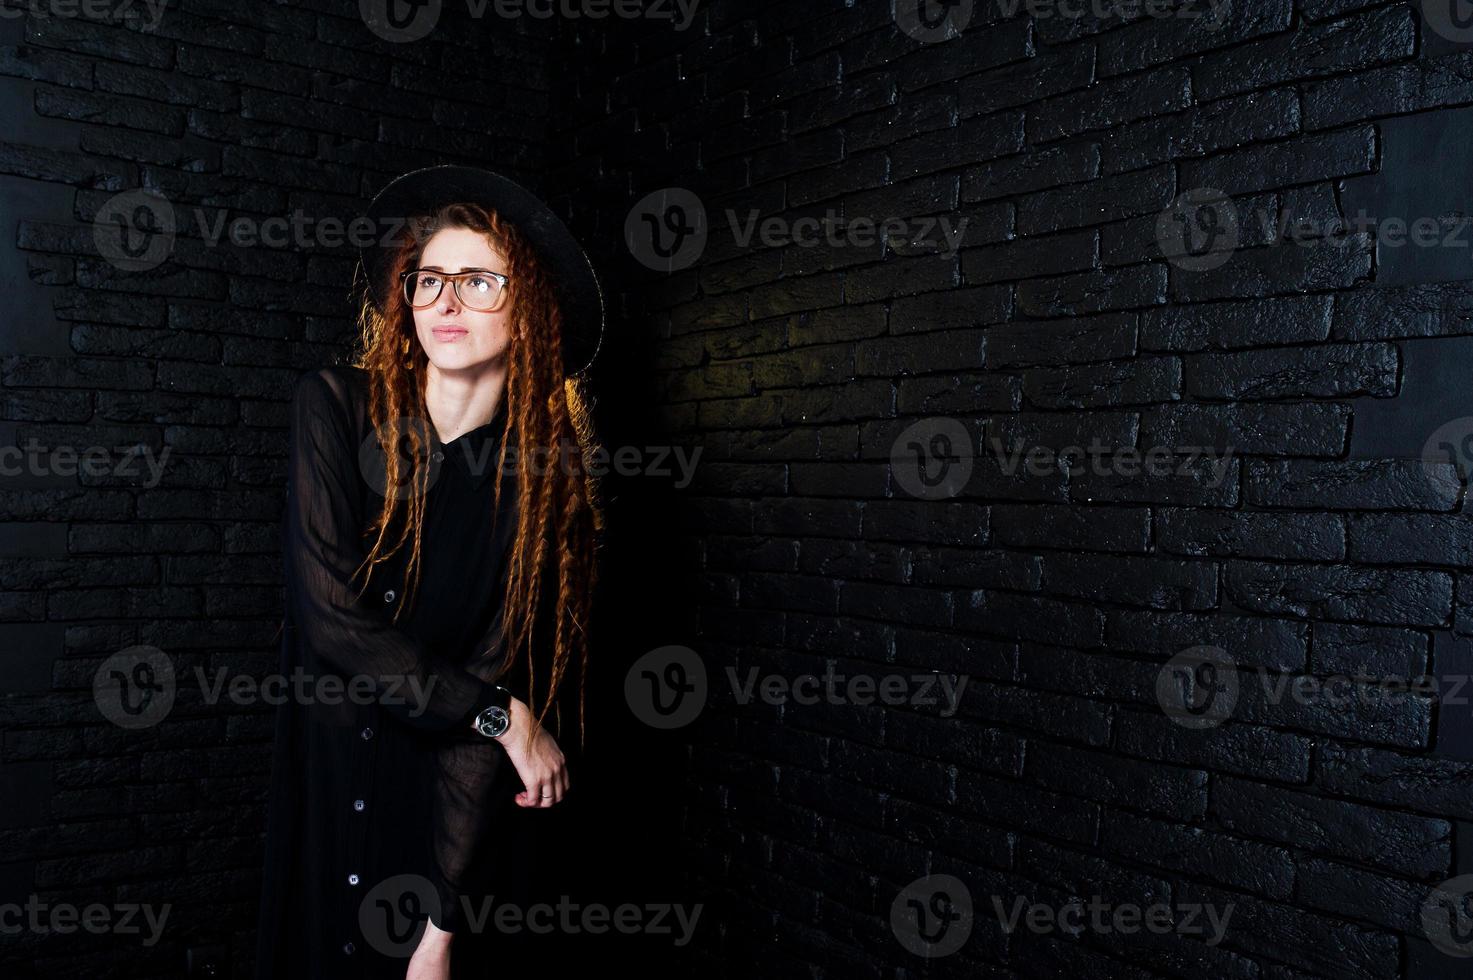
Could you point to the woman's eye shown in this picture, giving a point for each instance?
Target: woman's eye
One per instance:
(479, 283)
(427, 280)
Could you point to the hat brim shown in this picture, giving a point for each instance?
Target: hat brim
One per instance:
(422, 192)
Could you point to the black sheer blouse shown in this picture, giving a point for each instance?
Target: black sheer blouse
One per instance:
(384, 803)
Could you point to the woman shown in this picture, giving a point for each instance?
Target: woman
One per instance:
(439, 546)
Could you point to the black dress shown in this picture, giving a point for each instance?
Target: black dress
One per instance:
(386, 808)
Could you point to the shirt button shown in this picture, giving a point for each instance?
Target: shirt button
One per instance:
(352, 879)
(389, 596)
(348, 948)
(437, 456)
(367, 733)
(358, 805)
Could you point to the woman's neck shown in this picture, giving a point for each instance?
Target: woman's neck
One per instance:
(459, 401)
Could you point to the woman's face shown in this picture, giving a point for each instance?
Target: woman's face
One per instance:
(454, 336)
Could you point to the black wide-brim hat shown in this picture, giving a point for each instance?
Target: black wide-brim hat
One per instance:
(420, 193)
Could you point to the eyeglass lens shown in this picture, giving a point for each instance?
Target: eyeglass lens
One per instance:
(476, 290)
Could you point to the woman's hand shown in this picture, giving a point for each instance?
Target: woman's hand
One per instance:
(538, 760)
(431, 959)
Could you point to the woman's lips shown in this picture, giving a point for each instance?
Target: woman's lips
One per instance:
(448, 333)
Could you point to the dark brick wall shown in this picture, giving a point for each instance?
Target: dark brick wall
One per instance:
(1139, 719)
(1332, 542)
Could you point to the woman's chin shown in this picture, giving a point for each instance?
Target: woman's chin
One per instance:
(457, 360)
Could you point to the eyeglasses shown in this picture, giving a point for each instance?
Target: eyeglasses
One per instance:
(477, 289)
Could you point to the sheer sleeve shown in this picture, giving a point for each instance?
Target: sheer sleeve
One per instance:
(472, 777)
(322, 550)
(474, 782)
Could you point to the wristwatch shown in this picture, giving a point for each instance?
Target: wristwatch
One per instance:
(494, 720)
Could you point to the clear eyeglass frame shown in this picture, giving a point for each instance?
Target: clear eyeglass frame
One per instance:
(482, 301)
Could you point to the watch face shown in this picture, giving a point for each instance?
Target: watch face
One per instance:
(493, 721)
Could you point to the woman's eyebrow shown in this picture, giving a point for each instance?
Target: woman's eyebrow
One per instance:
(436, 268)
